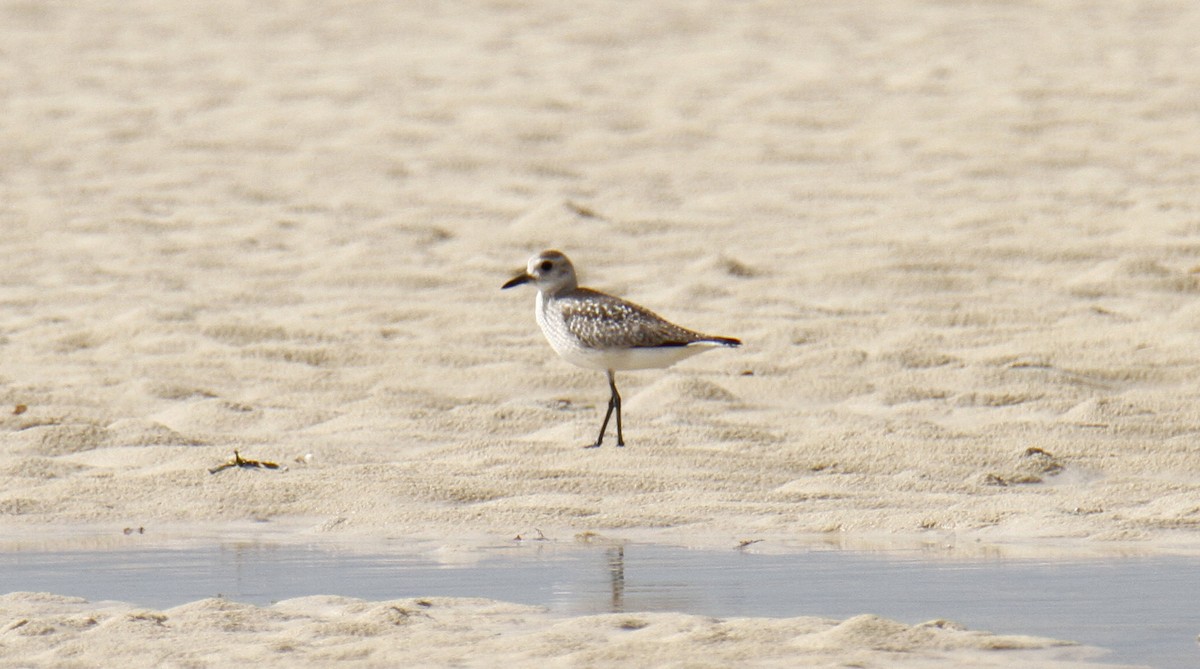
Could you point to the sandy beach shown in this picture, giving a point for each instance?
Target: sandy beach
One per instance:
(960, 241)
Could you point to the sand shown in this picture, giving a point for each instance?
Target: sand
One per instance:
(959, 240)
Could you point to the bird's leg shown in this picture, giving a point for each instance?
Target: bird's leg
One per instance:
(603, 426)
(614, 403)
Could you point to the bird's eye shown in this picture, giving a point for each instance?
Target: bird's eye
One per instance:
(546, 265)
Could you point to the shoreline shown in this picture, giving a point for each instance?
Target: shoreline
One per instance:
(305, 532)
(530, 629)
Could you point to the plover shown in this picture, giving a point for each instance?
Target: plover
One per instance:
(598, 331)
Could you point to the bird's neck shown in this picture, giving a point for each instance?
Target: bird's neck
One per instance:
(558, 289)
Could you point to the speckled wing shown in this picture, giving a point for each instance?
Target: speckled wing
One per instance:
(605, 322)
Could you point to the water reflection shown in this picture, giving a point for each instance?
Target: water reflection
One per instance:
(616, 578)
(1145, 609)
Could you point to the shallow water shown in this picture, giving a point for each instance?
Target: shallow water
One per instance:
(1146, 610)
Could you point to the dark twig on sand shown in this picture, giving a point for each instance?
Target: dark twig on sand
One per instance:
(238, 461)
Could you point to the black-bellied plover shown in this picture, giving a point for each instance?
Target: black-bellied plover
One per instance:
(598, 331)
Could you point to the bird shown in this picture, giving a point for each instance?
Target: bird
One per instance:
(595, 330)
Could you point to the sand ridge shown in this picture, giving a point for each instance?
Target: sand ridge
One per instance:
(323, 630)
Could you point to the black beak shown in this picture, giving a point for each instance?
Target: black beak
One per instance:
(517, 280)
